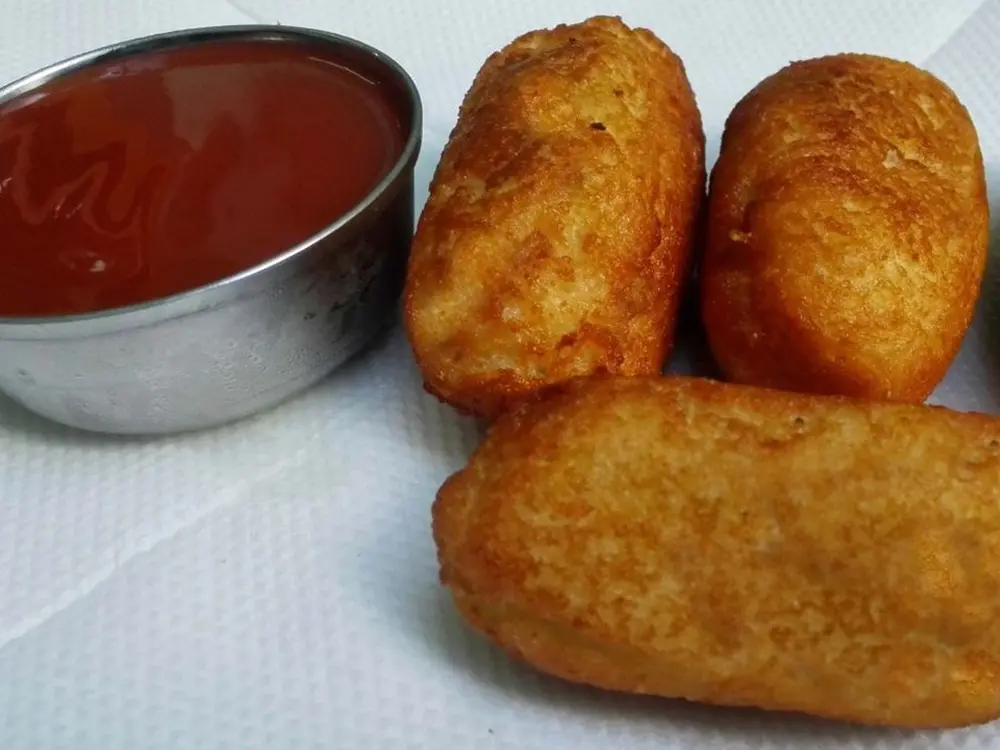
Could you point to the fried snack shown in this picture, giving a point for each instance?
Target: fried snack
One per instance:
(560, 221)
(738, 546)
(847, 231)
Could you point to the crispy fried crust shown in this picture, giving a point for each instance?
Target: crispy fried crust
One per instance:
(847, 231)
(560, 221)
(738, 546)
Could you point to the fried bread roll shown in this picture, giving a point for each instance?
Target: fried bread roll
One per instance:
(847, 231)
(738, 546)
(560, 221)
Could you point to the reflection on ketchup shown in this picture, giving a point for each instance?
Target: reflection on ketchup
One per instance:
(157, 174)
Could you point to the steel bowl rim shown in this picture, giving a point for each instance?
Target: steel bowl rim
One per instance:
(217, 293)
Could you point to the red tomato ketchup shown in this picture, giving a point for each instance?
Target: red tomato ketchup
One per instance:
(140, 178)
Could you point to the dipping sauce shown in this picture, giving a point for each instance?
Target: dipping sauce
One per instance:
(161, 172)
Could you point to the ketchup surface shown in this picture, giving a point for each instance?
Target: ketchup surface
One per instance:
(164, 171)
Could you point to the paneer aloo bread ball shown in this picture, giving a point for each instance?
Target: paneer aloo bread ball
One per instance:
(559, 228)
(847, 231)
(738, 546)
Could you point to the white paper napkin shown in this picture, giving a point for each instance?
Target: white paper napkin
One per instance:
(273, 583)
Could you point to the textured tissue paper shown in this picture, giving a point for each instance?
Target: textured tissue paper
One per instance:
(273, 583)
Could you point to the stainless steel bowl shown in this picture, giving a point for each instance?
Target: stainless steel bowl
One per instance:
(245, 343)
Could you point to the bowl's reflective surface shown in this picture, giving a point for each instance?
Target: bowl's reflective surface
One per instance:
(239, 346)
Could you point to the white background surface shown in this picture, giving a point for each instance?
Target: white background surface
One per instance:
(273, 584)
